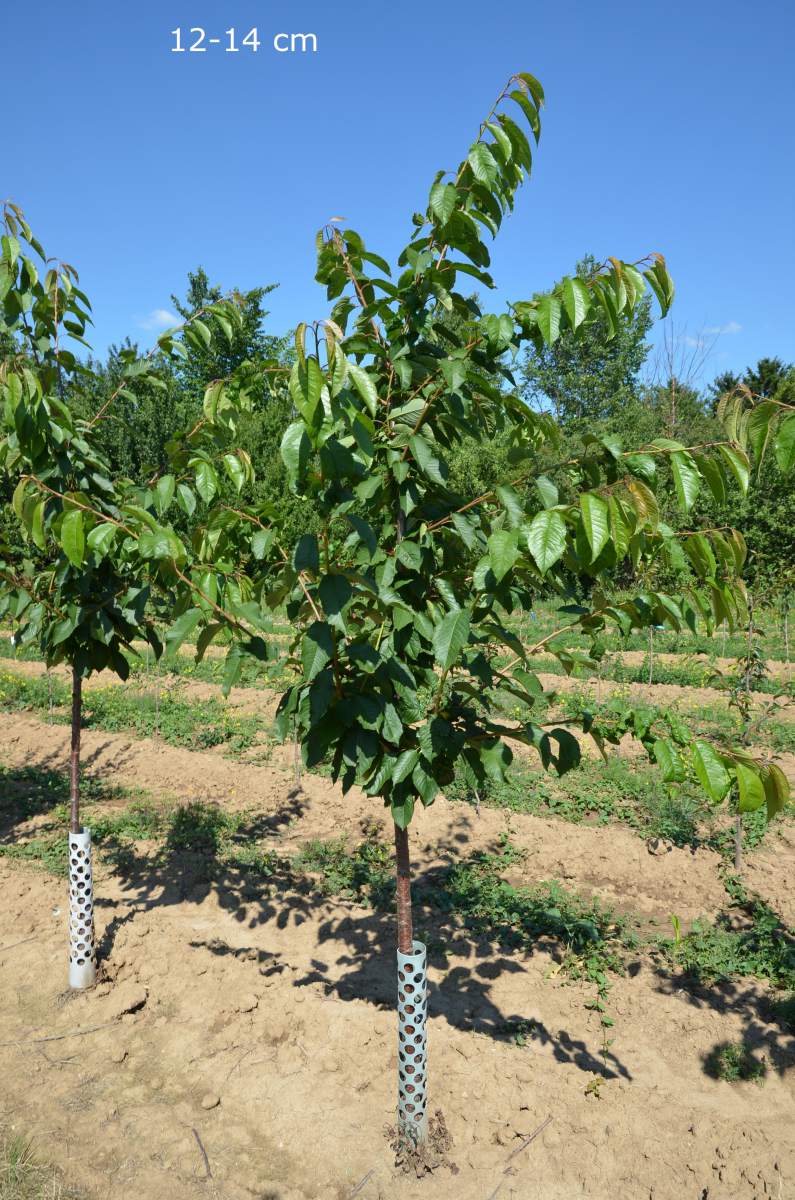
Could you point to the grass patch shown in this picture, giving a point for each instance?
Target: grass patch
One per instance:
(196, 725)
(24, 1177)
(734, 1062)
(629, 792)
(365, 873)
(750, 939)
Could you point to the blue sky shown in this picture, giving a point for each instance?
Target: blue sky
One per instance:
(668, 126)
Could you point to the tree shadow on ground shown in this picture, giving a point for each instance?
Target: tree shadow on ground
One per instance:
(355, 957)
(763, 1036)
(29, 792)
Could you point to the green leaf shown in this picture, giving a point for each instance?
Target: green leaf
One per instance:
(750, 787)
(547, 491)
(206, 481)
(576, 300)
(236, 471)
(503, 552)
(164, 492)
(306, 555)
(699, 551)
(443, 201)
(295, 449)
(100, 539)
(365, 386)
(546, 539)
(402, 812)
(306, 385)
(548, 318)
(317, 648)
(182, 628)
(711, 772)
(160, 543)
(686, 479)
(595, 521)
(777, 789)
(669, 762)
(533, 86)
(335, 591)
(738, 465)
(785, 444)
(261, 543)
(212, 396)
(449, 638)
(512, 504)
(429, 464)
(391, 726)
(73, 537)
(483, 163)
(404, 765)
(186, 499)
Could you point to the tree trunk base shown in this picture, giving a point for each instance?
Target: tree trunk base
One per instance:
(413, 1045)
(82, 954)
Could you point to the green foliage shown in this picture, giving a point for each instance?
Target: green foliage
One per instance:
(386, 605)
(201, 828)
(749, 940)
(364, 873)
(400, 590)
(589, 377)
(734, 1062)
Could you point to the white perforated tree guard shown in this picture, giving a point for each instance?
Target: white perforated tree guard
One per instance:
(412, 1044)
(82, 955)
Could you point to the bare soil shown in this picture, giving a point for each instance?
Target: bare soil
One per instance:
(242, 1042)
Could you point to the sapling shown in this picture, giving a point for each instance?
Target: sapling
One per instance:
(399, 602)
(79, 589)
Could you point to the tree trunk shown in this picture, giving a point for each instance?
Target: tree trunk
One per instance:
(405, 927)
(651, 655)
(82, 955)
(412, 995)
(74, 758)
(786, 642)
(738, 842)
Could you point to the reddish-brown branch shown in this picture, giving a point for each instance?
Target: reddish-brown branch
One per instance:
(405, 930)
(74, 757)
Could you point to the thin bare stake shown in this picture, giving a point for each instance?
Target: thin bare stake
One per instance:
(58, 1037)
(203, 1153)
(13, 945)
(528, 1140)
(538, 1130)
(361, 1184)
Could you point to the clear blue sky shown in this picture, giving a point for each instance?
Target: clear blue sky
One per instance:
(669, 126)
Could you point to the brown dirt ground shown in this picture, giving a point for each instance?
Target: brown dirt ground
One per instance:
(280, 1005)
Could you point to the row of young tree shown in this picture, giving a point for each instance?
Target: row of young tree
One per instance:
(397, 575)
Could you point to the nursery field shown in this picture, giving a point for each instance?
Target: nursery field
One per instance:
(397, 734)
(612, 1007)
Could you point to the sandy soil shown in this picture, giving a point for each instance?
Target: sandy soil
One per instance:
(255, 1026)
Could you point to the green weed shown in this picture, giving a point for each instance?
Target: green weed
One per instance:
(23, 1177)
(363, 874)
(750, 939)
(734, 1062)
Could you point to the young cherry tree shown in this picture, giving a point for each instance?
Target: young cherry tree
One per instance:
(400, 603)
(79, 591)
